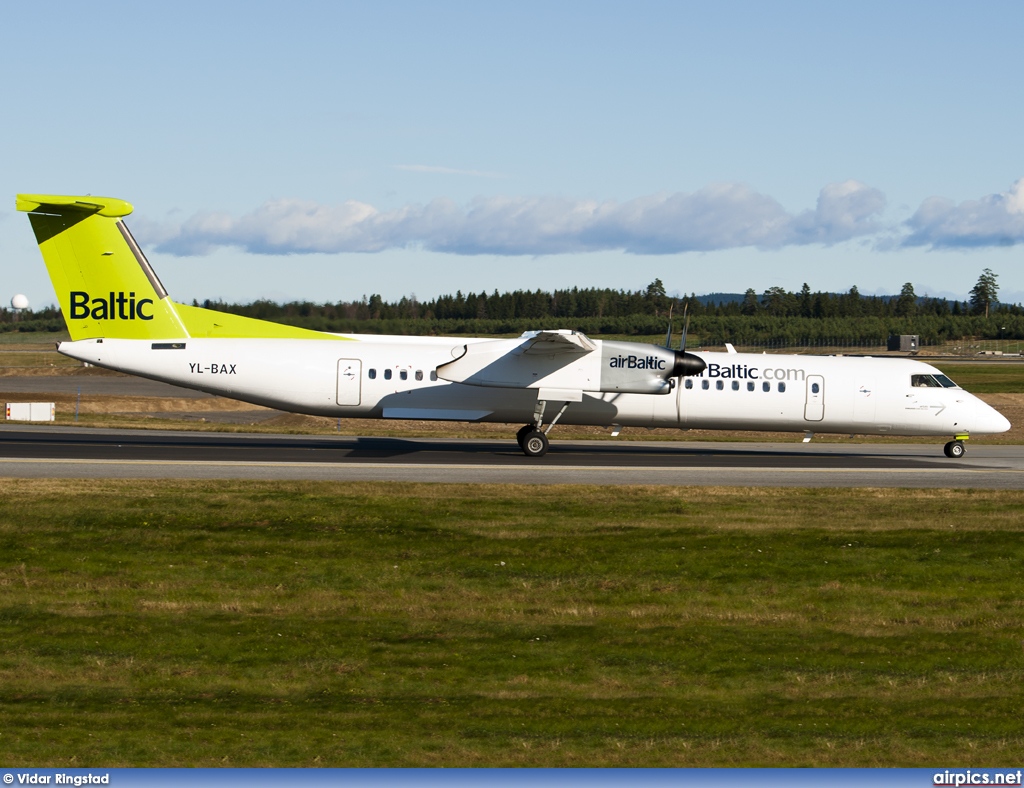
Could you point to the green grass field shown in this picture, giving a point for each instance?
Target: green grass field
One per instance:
(206, 623)
(991, 378)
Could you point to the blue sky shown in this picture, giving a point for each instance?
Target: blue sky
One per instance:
(325, 151)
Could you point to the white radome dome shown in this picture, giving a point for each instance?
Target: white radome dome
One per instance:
(19, 302)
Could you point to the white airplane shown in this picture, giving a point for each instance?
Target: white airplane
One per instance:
(120, 317)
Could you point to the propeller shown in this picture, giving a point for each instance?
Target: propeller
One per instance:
(686, 363)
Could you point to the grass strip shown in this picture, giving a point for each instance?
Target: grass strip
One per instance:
(991, 378)
(302, 624)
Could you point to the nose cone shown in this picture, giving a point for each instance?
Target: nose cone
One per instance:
(988, 420)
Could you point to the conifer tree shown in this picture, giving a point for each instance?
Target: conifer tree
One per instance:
(984, 293)
(906, 304)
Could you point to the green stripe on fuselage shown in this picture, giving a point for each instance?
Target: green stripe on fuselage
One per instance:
(208, 323)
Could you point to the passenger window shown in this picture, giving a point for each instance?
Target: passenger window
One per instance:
(373, 374)
(433, 375)
(719, 385)
(750, 385)
(419, 374)
(705, 384)
(782, 387)
(387, 374)
(735, 385)
(688, 384)
(766, 386)
(815, 388)
(404, 374)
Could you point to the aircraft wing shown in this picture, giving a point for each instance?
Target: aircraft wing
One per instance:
(563, 364)
(557, 359)
(550, 343)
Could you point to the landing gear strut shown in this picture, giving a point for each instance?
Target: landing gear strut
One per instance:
(530, 438)
(954, 449)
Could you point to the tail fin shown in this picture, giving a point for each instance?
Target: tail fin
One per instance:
(106, 286)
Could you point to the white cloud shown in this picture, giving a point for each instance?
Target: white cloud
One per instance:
(844, 211)
(718, 216)
(715, 217)
(994, 220)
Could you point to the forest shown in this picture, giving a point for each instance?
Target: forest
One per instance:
(776, 317)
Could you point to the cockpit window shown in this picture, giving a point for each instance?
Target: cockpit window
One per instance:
(931, 382)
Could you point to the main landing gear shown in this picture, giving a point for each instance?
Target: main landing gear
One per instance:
(531, 439)
(955, 449)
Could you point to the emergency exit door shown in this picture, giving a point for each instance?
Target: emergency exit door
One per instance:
(349, 381)
(814, 406)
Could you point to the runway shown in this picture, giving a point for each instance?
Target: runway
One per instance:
(87, 453)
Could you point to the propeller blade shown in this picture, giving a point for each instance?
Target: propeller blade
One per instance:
(686, 327)
(687, 363)
(668, 335)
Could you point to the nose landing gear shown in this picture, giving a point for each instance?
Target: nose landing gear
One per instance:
(955, 449)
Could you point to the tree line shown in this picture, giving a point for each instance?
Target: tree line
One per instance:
(776, 316)
(607, 303)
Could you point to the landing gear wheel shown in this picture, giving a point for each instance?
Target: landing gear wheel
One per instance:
(535, 443)
(523, 432)
(955, 449)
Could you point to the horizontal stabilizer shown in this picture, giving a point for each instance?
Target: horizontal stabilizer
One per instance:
(104, 206)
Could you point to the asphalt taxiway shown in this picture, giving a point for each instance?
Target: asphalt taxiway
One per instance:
(54, 452)
(101, 384)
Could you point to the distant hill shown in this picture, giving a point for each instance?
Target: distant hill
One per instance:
(720, 298)
(729, 298)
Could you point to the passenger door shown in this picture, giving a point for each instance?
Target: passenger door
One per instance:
(814, 406)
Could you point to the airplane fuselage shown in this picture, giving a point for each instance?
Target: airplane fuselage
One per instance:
(396, 378)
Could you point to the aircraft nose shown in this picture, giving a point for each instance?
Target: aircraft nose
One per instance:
(989, 420)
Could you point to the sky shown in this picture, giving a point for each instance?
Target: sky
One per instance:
(325, 151)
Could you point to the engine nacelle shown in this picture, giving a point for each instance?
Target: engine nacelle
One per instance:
(634, 368)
